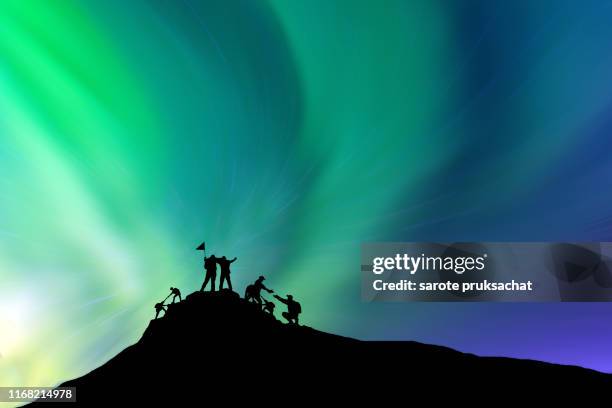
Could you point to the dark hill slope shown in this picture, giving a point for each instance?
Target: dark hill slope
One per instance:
(215, 349)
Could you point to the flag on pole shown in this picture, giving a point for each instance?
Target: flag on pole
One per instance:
(202, 247)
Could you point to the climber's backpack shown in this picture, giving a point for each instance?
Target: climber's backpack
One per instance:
(297, 307)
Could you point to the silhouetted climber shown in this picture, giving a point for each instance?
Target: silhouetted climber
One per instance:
(210, 265)
(158, 308)
(293, 309)
(175, 293)
(253, 292)
(268, 306)
(224, 263)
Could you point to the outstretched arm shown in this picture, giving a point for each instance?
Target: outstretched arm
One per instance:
(233, 259)
(280, 299)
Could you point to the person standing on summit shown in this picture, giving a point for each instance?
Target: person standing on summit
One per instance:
(210, 265)
(224, 263)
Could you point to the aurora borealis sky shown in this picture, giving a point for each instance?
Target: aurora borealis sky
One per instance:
(287, 133)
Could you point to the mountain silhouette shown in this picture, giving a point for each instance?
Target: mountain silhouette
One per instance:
(216, 348)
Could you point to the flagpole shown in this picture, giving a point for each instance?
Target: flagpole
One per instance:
(203, 248)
